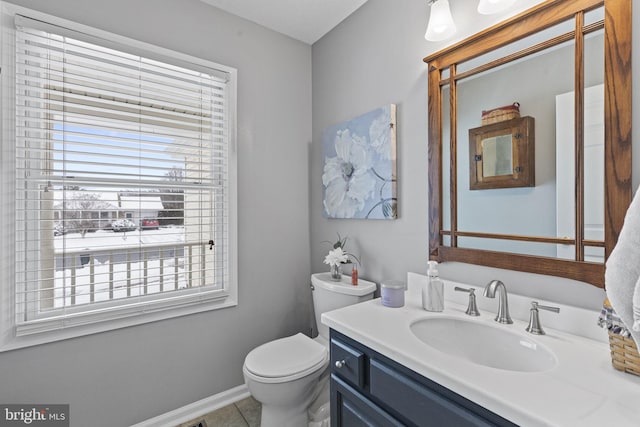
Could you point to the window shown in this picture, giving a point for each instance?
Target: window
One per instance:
(124, 181)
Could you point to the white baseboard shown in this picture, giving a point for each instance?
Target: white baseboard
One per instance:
(196, 409)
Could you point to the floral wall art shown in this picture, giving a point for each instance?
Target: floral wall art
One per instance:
(359, 174)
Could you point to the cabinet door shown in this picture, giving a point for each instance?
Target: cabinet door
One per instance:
(351, 409)
(419, 404)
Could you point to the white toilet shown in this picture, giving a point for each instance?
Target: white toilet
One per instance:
(287, 375)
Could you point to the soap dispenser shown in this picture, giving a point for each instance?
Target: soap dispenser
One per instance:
(433, 292)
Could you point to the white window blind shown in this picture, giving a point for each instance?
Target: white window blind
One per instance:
(122, 190)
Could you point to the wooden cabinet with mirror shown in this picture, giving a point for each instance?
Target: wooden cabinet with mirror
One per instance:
(502, 155)
(568, 63)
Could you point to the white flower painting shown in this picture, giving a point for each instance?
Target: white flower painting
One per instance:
(359, 175)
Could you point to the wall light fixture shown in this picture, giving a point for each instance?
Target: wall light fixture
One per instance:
(441, 25)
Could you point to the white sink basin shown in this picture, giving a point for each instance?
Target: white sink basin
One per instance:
(483, 344)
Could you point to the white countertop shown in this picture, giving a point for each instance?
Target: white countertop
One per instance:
(583, 389)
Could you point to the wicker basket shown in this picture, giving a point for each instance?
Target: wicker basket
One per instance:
(501, 114)
(624, 354)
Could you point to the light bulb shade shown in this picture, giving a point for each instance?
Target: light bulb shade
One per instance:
(441, 24)
(489, 7)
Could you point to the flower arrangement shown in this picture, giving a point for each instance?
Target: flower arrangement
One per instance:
(338, 254)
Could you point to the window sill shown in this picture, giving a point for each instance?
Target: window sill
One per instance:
(92, 323)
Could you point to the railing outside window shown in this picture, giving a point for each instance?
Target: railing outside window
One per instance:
(83, 277)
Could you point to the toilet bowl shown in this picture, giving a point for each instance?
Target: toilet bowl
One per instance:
(284, 375)
(290, 375)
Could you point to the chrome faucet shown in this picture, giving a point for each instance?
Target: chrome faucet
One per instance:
(503, 304)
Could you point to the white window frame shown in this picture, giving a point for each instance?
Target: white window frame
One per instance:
(106, 320)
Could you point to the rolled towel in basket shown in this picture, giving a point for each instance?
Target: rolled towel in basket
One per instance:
(610, 320)
(623, 268)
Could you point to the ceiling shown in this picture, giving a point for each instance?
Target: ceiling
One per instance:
(304, 20)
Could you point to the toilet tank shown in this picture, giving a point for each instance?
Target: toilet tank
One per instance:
(330, 295)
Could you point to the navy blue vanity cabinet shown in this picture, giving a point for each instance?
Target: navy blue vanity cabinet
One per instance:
(369, 389)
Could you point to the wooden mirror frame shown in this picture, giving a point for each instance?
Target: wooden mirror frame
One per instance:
(617, 122)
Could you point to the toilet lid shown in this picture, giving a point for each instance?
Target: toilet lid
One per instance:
(285, 357)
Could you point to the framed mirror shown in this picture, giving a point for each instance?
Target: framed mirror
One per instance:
(568, 63)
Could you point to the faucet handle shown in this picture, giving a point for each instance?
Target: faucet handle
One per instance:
(534, 304)
(534, 319)
(472, 308)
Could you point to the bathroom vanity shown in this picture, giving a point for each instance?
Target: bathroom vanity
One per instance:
(368, 388)
(386, 370)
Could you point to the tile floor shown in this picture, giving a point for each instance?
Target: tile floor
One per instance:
(244, 413)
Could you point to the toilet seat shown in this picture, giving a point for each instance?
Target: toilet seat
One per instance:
(286, 359)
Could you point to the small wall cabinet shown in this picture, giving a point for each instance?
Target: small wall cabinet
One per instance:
(369, 389)
(502, 155)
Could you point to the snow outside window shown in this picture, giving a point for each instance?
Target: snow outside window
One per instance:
(123, 181)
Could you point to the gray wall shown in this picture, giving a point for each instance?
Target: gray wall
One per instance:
(129, 375)
(374, 58)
